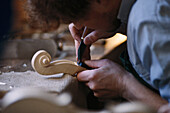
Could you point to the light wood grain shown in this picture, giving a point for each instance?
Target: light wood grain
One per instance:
(41, 62)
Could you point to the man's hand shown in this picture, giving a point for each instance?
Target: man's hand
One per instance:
(109, 80)
(92, 37)
(106, 80)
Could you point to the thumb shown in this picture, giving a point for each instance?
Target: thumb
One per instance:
(95, 63)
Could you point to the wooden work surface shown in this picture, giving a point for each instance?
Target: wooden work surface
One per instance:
(54, 84)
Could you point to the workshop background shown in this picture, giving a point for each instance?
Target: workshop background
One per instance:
(20, 40)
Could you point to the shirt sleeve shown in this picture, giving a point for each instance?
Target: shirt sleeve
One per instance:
(160, 65)
(157, 34)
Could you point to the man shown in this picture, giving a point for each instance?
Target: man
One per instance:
(148, 44)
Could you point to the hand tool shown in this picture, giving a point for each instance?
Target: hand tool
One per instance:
(81, 50)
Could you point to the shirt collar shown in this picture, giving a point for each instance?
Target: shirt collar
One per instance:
(125, 9)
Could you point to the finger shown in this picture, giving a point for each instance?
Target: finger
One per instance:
(91, 38)
(76, 34)
(96, 35)
(91, 85)
(77, 44)
(84, 76)
(105, 94)
(97, 63)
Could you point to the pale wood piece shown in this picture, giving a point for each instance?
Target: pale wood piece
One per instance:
(41, 62)
(35, 100)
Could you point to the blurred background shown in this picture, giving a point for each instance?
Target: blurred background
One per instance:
(20, 40)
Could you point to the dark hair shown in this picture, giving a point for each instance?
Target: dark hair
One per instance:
(50, 12)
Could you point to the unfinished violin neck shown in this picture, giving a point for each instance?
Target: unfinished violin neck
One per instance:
(41, 62)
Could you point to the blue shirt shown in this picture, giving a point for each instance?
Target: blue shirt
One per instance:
(148, 43)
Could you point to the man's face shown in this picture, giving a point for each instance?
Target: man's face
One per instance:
(105, 20)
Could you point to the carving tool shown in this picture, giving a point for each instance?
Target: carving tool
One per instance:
(81, 50)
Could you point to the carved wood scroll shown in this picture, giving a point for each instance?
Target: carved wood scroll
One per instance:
(41, 62)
